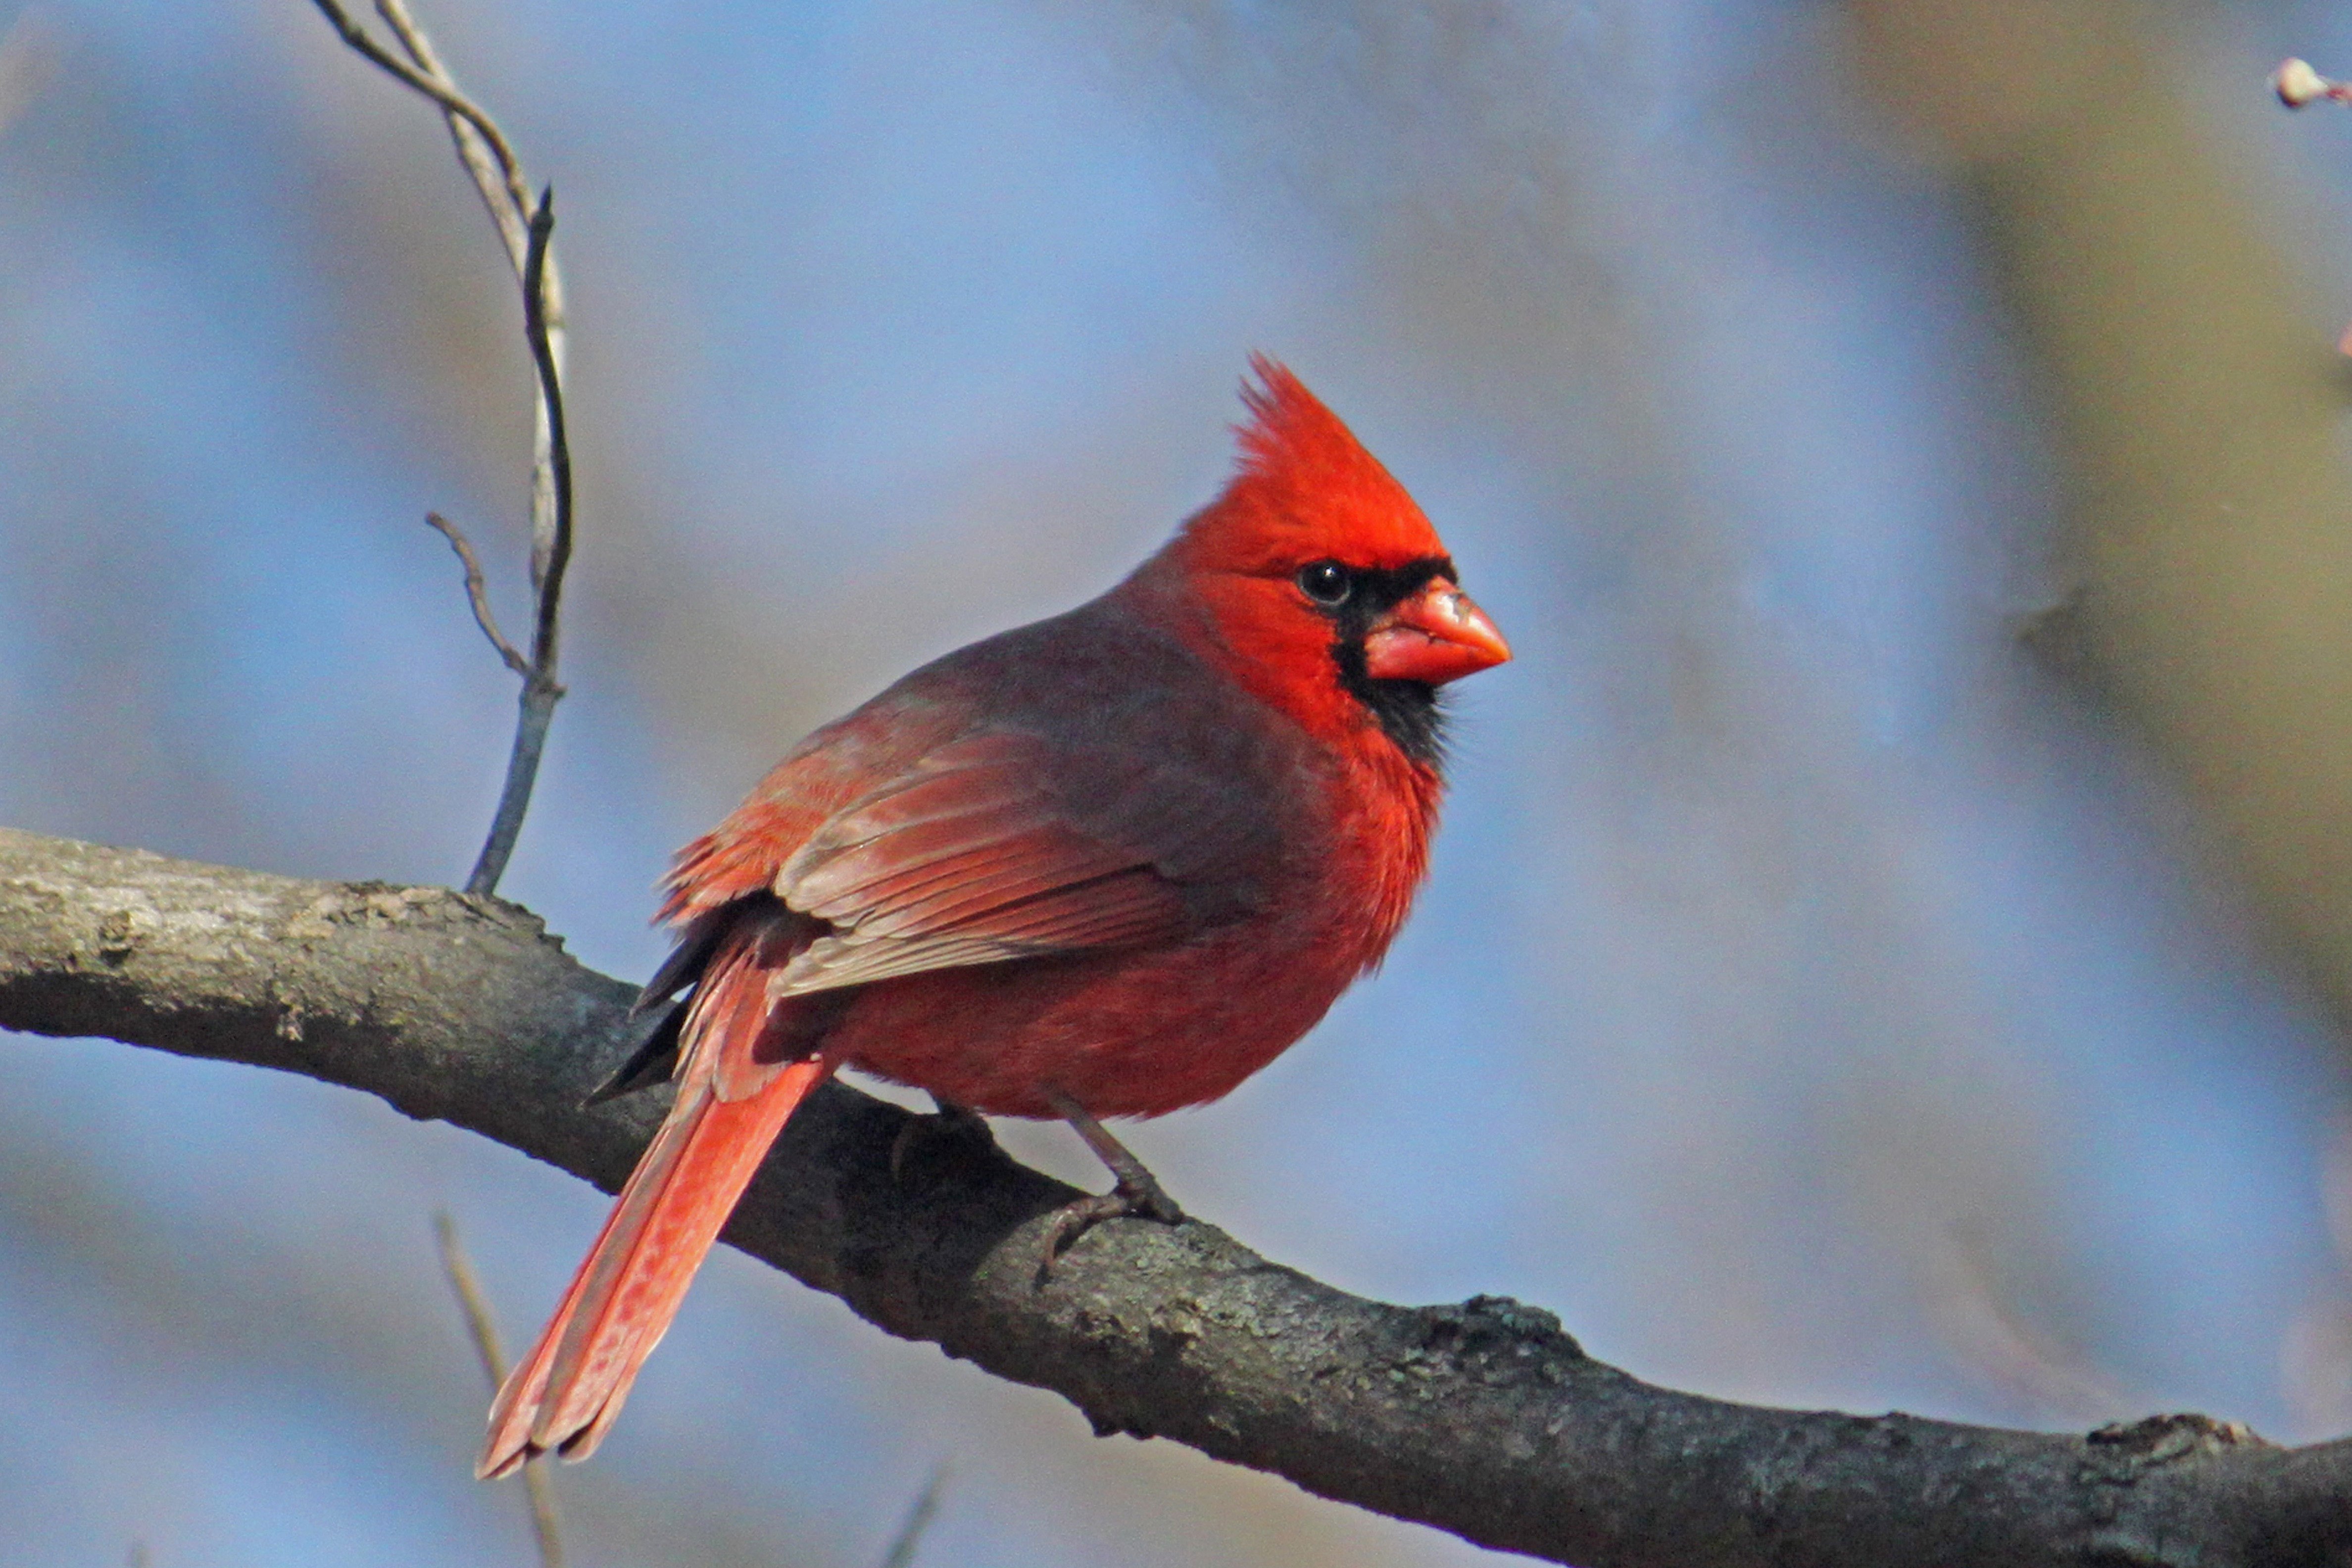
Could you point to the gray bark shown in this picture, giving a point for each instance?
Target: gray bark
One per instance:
(1483, 1418)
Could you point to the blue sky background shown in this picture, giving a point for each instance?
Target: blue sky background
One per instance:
(1812, 1003)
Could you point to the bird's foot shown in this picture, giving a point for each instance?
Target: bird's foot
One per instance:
(1143, 1199)
(1135, 1192)
(951, 1123)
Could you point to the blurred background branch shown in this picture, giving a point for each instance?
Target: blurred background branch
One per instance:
(482, 1328)
(527, 230)
(2197, 408)
(900, 1552)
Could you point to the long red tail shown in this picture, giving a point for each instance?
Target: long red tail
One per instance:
(564, 1395)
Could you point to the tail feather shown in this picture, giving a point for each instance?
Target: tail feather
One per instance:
(563, 1395)
(516, 1409)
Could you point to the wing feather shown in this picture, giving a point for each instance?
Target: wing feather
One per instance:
(1005, 846)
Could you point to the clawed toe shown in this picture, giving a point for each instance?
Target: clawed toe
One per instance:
(1141, 1199)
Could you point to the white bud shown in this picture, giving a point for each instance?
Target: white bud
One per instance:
(2297, 84)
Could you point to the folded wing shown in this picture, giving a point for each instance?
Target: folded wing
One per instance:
(1006, 845)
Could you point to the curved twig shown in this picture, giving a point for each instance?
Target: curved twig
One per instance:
(527, 231)
(435, 85)
(504, 192)
(477, 594)
(551, 556)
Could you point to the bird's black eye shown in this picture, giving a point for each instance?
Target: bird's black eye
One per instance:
(1326, 583)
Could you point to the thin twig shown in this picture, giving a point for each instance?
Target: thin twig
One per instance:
(506, 195)
(504, 192)
(440, 90)
(550, 553)
(551, 545)
(901, 1553)
(468, 1287)
(478, 595)
(526, 230)
(484, 1330)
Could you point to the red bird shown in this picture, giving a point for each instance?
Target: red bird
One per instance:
(1108, 865)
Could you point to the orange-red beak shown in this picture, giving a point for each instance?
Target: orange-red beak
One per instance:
(1436, 635)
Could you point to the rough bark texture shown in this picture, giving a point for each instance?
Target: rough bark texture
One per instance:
(1484, 1418)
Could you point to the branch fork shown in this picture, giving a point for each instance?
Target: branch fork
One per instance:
(526, 227)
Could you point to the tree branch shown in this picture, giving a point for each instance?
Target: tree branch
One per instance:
(1484, 1419)
(526, 230)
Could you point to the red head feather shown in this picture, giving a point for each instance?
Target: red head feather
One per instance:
(1305, 489)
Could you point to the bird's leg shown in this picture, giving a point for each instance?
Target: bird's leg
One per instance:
(1134, 1190)
(1133, 1182)
(950, 1121)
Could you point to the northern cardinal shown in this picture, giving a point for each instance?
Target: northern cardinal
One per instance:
(1110, 864)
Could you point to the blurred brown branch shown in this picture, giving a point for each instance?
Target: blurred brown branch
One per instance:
(2194, 408)
(1484, 1418)
(526, 227)
(483, 1329)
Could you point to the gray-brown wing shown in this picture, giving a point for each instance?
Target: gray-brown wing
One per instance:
(1004, 845)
